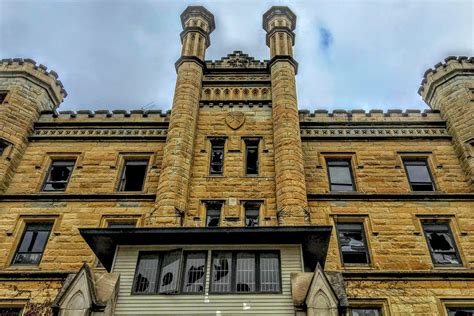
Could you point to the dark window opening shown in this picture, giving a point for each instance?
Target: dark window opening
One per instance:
(217, 157)
(352, 243)
(340, 175)
(251, 157)
(3, 96)
(58, 175)
(213, 213)
(419, 175)
(441, 244)
(133, 175)
(32, 243)
(117, 224)
(3, 146)
(245, 272)
(252, 213)
(365, 312)
(10, 311)
(163, 272)
(460, 311)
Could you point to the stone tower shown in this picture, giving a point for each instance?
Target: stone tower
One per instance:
(279, 23)
(173, 186)
(450, 88)
(27, 89)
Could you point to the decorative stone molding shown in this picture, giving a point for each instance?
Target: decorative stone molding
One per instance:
(236, 93)
(237, 59)
(99, 133)
(374, 132)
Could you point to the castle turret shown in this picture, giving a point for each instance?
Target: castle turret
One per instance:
(26, 89)
(280, 22)
(173, 186)
(450, 88)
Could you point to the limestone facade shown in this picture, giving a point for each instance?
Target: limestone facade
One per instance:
(239, 101)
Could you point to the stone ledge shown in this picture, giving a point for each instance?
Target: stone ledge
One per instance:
(77, 197)
(422, 196)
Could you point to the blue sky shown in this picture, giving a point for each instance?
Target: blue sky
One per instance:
(117, 54)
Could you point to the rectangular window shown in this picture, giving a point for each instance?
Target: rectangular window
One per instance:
(365, 312)
(352, 243)
(441, 244)
(58, 175)
(419, 175)
(163, 272)
(133, 175)
(213, 213)
(3, 96)
(340, 175)
(251, 157)
(32, 243)
(217, 157)
(461, 311)
(117, 224)
(252, 213)
(245, 272)
(10, 311)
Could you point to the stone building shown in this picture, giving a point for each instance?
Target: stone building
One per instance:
(235, 202)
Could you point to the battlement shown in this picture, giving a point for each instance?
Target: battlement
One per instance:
(104, 116)
(432, 77)
(36, 72)
(375, 115)
(237, 59)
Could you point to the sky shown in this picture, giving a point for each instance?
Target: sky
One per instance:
(117, 54)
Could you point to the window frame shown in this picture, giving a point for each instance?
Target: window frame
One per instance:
(456, 248)
(50, 168)
(252, 142)
(351, 171)
(14, 307)
(213, 142)
(206, 203)
(181, 273)
(427, 164)
(20, 242)
(121, 180)
(244, 204)
(258, 254)
(5, 94)
(377, 308)
(366, 245)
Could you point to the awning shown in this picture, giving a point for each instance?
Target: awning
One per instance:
(314, 240)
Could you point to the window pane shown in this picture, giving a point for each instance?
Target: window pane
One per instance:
(32, 244)
(365, 312)
(352, 243)
(146, 274)
(461, 311)
(269, 272)
(252, 211)
(133, 176)
(221, 280)
(252, 158)
(58, 175)
(194, 272)
(170, 271)
(245, 272)
(217, 157)
(340, 175)
(418, 171)
(213, 213)
(2, 149)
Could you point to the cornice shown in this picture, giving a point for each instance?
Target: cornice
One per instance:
(97, 133)
(418, 196)
(52, 197)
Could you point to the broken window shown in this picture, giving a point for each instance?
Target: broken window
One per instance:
(252, 213)
(340, 175)
(213, 213)
(10, 311)
(58, 175)
(133, 175)
(460, 311)
(162, 272)
(32, 243)
(251, 157)
(245, 272)
(419, 175)
(217, 157)
(3, 146)
(3, 96)
(365, 312)
(441, 244)
(352, 243)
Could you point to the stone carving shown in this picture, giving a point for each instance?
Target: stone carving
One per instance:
(99, 133)
(237, 59)
(235, 119)
(374, 132)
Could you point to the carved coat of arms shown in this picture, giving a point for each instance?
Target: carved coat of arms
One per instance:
(235, 119)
